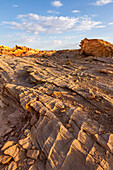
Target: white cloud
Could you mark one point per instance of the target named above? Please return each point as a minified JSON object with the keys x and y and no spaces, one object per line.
{"x":19,"y":38}
{"x":31,"y":16}
{"x":23,"y":38}
{"x":102,"y":2}
{"x":75,"y":11}
{"x":56,"y":3}
{"x":57,"y":42}
{"x":15,"y":6}
{"x":88,"y":24}
{"x":52,"y":12}
{"x":26,"y":39}
{"x":100,"y":26}
{"x":111,"y":23}
{"x":33,"y":23}
{"x":94,"y":15}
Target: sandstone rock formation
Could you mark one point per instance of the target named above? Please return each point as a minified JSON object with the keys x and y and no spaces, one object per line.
{"x":23,"y":51}
{"x":55,"y":115}
{"x":96,"y":47}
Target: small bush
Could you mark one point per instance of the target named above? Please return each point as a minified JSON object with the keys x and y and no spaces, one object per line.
{"x":43,"y":55}
{"x":68,"y":62}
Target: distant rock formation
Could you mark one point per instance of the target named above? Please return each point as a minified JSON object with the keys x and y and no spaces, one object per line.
{"x":22,"y":51}
{"x":96,"y":48}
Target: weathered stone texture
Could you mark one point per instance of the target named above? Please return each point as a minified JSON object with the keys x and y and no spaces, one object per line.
{"x":96,"y":48}
{"x":56,"y":115}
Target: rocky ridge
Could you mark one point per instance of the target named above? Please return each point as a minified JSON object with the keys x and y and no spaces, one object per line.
{"x":56,"y":112}
{"x":22,"y":51}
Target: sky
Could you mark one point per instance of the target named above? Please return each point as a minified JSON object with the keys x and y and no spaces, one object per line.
{"x":54,"y":24}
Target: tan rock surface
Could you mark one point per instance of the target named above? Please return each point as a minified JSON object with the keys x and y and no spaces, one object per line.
{"x":25,"y":143}
{"x":7,"y":145}
{"x":30,"y":161}
{"x":5,"y":159}
{"x":33,"y":167}
{"x":12,"y":166}
{"x":96,"y":47}
{"x":63,"y":111}
{"x":12,"y":151}
{"x":33,"y":154}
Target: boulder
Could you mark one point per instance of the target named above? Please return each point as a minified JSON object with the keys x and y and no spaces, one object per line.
{"x":96,"y":48}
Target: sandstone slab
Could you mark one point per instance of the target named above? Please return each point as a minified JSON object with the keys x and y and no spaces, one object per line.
{"x":33,"y":154}
{"x":12,"y":166}
{"x":5,"y":159}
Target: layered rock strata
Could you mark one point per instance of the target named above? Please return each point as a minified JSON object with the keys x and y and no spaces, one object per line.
{"x":56,"y":114}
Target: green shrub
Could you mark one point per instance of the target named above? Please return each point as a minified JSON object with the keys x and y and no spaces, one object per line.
{"x":68,"y":62}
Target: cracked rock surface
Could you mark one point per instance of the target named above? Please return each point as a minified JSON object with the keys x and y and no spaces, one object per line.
{"x":56,"y":112}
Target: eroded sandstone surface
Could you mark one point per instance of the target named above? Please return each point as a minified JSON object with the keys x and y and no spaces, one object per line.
{"x":96,"y":47}
{"x":56,"y":112}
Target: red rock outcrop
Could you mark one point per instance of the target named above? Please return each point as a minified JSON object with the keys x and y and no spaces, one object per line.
{"x":96,"y":48}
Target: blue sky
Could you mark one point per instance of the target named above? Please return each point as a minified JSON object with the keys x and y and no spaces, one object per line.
{"x":54,"y":24}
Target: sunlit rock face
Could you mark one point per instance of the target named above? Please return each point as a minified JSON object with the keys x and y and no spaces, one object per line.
{"x":96,"y":47}
{"x":22,"y":51}
{"x":56,"y":110}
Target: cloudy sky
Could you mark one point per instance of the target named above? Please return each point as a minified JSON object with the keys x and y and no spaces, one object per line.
{"x":54,"y":24}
